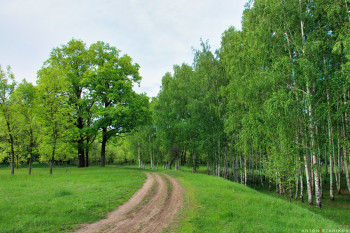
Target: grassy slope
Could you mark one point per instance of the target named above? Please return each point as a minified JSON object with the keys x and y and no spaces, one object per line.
{"x":337,"y":210}
{"x":44,"y":203}
{"x":217,"y":205}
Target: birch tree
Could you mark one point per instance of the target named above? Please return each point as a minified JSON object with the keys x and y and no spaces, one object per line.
{"x":7,"y":86}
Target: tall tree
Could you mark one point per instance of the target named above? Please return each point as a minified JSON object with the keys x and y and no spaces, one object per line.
{"x":118,"y":108}
{"x":25,"y":102}
{"x":73,"y":62}
{"x":7,"y":86}
{"x":55,"y":115}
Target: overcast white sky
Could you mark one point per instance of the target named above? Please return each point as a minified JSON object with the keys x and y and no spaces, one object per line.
{"x":156,"y":33}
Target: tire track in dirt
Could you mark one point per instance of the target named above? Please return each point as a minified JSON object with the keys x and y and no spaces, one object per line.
{"x":150,"y":209}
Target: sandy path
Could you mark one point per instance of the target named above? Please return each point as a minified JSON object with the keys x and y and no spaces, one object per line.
{"x":150,"y":209}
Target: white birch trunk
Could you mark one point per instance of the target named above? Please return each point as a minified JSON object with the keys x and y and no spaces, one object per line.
{"x":308,"y":177}
{"x":345,"y":147}
{"x":139,"y":154}
{"x":314,"y":157}
{"x":302,"y":185}
{"x":331,"y":148}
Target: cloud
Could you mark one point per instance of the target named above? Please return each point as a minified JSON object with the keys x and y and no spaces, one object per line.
{"x":156,"y":33}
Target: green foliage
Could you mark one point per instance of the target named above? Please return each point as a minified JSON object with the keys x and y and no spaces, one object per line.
{"x":73,"y":62}
{"x":171,"y":115}
{"x":117,"y":106}
{"x":187,"y":110}
{"x":274,"y":98}
{"x":59,"y":203}
{"x":8,"y":111}
{"x":55,"y":116}
{"x":25,"y":102}
{"x":81,"y":92}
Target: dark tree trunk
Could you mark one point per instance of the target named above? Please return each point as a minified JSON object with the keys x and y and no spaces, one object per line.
{"x":12,"y":148}
{"x":87,"y":152}
{"x":53,"y":157}
{"x":87,"y":157}
{"x":103,"y":148}
{"x":171,"y":162}
{"x":81,"y":162}
{"x":194,"y":170}
{"x":31,"y":145}
{"x":325,"y":166}
{"x":30,"y":165}
{"x":226,"y":164}
{"x":12,"y":156}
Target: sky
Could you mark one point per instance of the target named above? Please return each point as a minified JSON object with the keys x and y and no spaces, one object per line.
{"x":156,"y":34}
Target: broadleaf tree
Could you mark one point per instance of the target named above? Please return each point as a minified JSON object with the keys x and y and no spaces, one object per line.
{"x":118,"y":108}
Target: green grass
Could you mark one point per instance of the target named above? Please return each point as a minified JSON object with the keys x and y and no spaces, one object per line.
{"x":60,"y":202}
{"x":337,"y":210}
{"x":213,"y":204}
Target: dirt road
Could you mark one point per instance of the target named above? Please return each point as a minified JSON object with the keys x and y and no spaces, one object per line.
{"x":150,"y":209}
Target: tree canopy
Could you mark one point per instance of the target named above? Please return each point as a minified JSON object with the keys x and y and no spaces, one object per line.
{"x":272,"y":103}
{"x":82,"y":94}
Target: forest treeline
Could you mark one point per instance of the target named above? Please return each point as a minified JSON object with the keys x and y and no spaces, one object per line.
{"x":271,"y":104}
{"x":84,"y":95}
{"x":269,"y":107}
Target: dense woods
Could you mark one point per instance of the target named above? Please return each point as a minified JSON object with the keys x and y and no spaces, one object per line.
{"x":255,"y":130}
{"x":270,"y":107}
{"x":83,"y":96}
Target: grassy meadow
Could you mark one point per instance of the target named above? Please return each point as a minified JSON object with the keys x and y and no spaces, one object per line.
{"x":337,"y":210}
{"x":58,"y":203}
{"x":217,"y":205}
